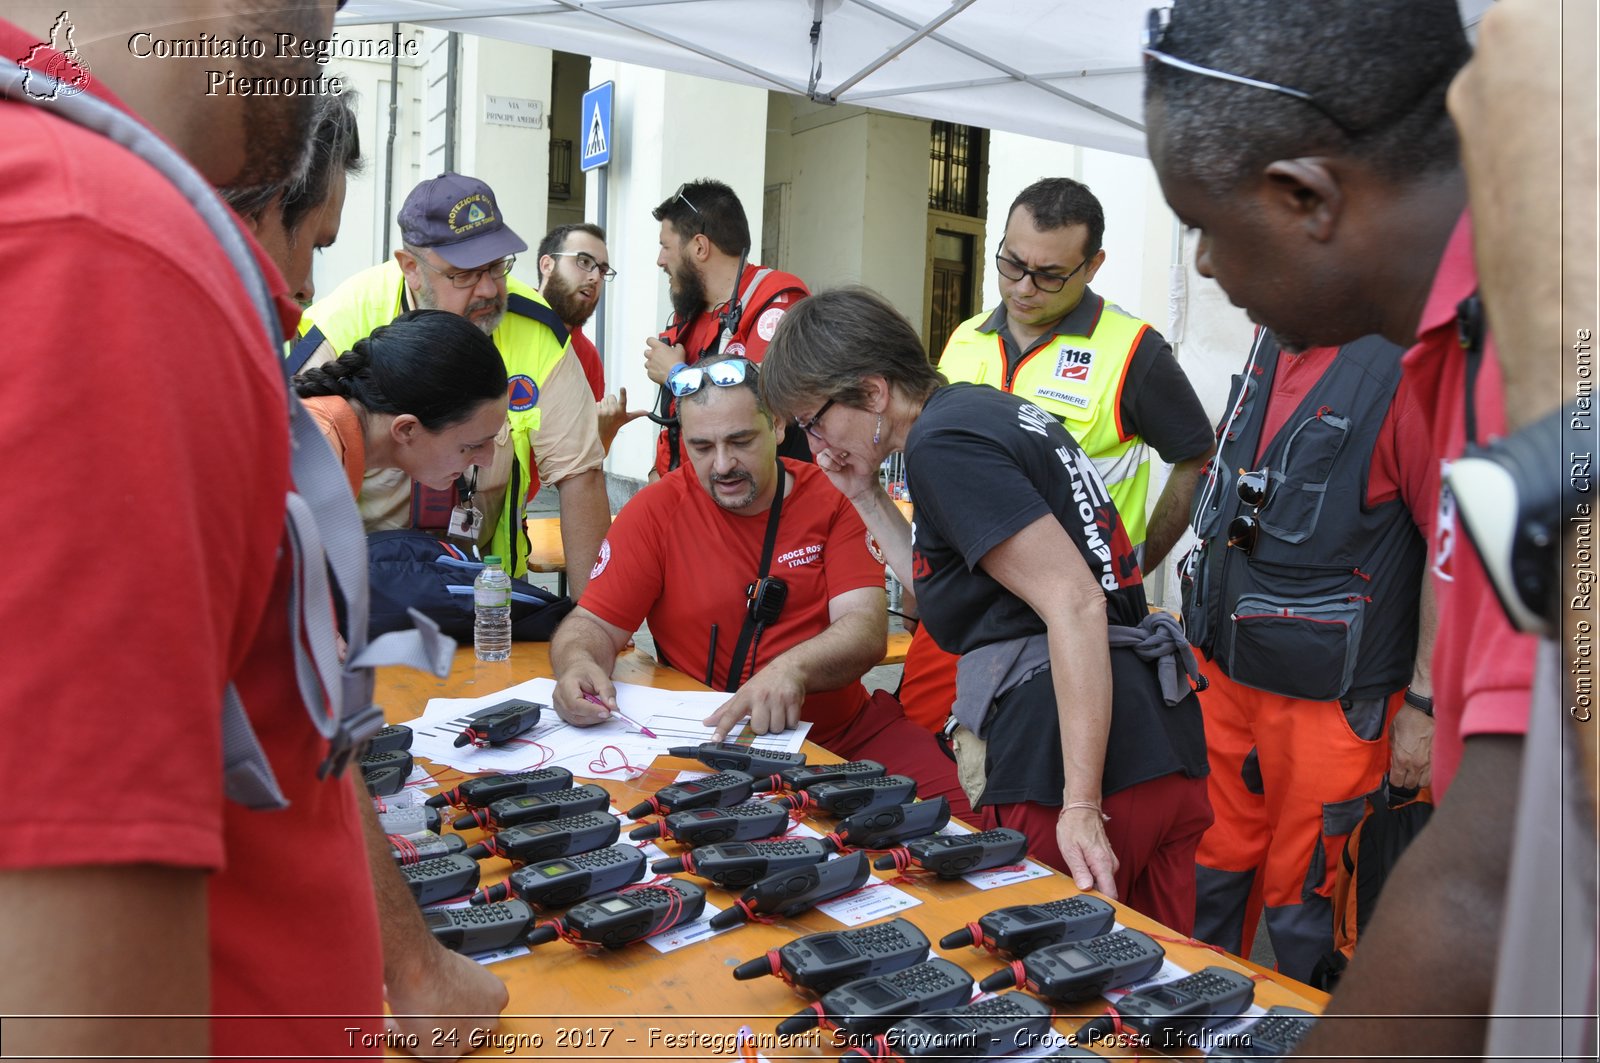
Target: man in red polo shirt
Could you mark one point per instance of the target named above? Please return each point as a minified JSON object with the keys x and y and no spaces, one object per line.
{"x":1332,"y":206}
{"x":720,"y":303}
{"x":681,"y":554}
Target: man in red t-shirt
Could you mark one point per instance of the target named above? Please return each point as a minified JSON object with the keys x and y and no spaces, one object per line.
{"x":574,"y":266}
{"x":1331,"y":206}
{"x":132,"y":887}
{"x":680,"y":555}
{"x":705,"y":241}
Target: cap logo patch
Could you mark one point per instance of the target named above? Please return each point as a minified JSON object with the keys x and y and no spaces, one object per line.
{"x":474,"y":212}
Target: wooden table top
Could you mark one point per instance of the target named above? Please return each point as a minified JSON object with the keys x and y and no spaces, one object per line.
{"x":545,"y":552}
{"x":638,"y":1003}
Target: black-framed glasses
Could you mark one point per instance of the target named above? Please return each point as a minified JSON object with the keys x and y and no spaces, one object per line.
{"x":588,"y":263}
{"x":1012,"y":270}
{"x":810,"y":427}
{"x":1156,"y":22}
{"x":1245,"y":529}
{"x":688,"y":379}
{"x":469,"y":278}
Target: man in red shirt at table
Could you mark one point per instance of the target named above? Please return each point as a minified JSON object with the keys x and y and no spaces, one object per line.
{"x":683,"y":551}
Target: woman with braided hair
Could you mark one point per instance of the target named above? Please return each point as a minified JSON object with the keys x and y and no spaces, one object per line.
{"x":426,"y":394}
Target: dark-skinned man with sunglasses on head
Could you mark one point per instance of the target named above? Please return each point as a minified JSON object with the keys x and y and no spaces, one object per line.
{"x":1108,"y":377}
{"x":1304,"y":602}
{"x":682,"y":553}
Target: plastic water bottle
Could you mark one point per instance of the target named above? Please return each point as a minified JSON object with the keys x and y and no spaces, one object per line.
{"x":491,"y":599}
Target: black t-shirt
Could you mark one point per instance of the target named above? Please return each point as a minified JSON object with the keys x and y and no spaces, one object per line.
{"x":982,"y":465}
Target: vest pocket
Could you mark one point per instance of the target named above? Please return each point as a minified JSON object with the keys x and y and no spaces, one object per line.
{"x":1291,"y":512}
{"x":1298,"y":647}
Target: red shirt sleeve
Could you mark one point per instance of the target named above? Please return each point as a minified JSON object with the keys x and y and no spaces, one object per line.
{"x":1402,"y":458}
{"x":757,"y":331}
{"x":628,"y":576}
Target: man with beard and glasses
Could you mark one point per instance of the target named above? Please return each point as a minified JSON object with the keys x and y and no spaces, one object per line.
{"x":166,"y":921}
{"x":682,"y":553}
{"x":573,"y":265}
{"x":705,"y":244}
{"x":457,"y":256}
{"x":1327,"y":189}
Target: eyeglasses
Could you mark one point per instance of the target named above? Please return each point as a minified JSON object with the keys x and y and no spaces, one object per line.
{"x":688,"y":379}
{"x":1012,"y":270}
{"x":1245,"y":529}
{"x":810,"y":427}
{"x":1156,"y":22}
{"x":469,"y":278}
{"x":587,"y":262}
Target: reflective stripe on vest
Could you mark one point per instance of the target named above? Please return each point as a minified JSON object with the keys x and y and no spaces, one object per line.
{"x":1078,"y":380}
{"x":531,"y":341}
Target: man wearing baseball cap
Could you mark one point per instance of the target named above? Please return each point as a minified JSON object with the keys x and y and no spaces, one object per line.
{"x":456,"y":255}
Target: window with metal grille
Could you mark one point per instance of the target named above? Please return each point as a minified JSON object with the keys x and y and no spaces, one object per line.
{"x":954,"y":157}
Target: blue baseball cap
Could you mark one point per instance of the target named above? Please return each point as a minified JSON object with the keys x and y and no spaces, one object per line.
{"x":458,"y":219}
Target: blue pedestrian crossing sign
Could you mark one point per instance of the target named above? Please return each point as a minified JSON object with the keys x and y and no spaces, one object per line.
{"x":596,"y":127}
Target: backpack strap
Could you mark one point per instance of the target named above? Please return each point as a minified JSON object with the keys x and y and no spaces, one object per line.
{"x":324,"y":530}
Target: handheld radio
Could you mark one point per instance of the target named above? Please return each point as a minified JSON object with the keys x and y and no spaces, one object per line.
{"x":809,"y":775}
{"x":731,"y":756}
{"x":565,"y":880}
{"x":869,"y":1005}
{"x":441,"y":878}
{"x":1272,"y":1036}
{"x":500,"y":724}
{"x":999,"y":1026}
{"x":1021,"y":928}
{"x":1173,"y":1015}
{"x":821,"y":962}
{"x":714,"y":791}
{"x":888,"y":827}
{"x":486,"y":789}
{"x":954,"y":855}
{"x":846,"y":797}
{"x":414,"y":820}
{"x":617,"y":919}
{"x":481,"y":929}
{"x":705,"y":826}
{"x":735,"y":865}
{"x":395,"y":736}
{"x":534,"y":808}
{"x":424,"y":845}
{"x":1082,"y":970}
{"x":556,"y":837}
{"x":792,"y":892}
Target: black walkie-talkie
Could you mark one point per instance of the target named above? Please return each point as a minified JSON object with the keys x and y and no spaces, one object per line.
{"x":1000,"y":1026}
{"x":552,"y":838}
{"x":809,"y":775}
{"x":395,"y":736}
{"x":869,"y":1005}
{"x":731,"y":756}
{"x":847,"y":797}
{"x":954,"y":855}
{"x":823,"y":961}
{"x":1272,"y":1036}
{"x":441,"y":878}
{"x":714,"y":791}
{"x":536,"y":808}
{"x":888,"y":827}
{"x":564,"y":880}
{"x":617,"y":919}
{"x":750,"y":821}
{"x":481,"y":929}
{"x":735,"y":865}
{"x":1021,"y":928}
{"x":1082,"y":970}
{"x":1172,"y":1017}
{"x":501,"y":724}
{"x":792,"y":892}
{"x":487,"y":789}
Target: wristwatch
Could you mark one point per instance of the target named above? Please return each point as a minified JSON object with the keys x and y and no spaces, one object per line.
{"x":1417,"y":701}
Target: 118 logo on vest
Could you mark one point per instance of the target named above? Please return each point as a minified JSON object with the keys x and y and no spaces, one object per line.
{"x":1073,"y":364}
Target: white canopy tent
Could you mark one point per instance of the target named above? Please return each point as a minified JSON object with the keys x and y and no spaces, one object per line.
{"x":1066,"y":70}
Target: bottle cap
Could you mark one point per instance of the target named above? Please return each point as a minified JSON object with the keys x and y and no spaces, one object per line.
{"x":492,"y":559}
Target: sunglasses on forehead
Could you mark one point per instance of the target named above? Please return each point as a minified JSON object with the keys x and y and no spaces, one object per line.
{"x":688,"y":379}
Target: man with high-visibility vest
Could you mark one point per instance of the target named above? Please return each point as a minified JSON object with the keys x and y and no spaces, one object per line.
{"x":1109,"y":377}
{"x":456,"y":255}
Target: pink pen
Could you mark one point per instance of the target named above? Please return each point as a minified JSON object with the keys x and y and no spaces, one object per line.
{"x":642,"y":728}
